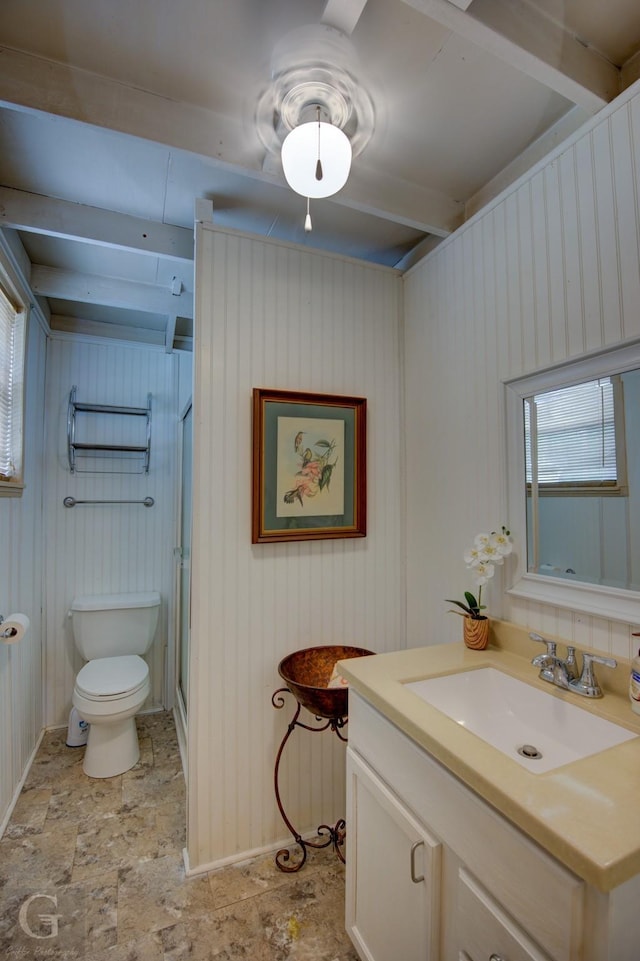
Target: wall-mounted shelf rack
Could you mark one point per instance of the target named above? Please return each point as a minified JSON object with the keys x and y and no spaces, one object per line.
{"x":138,"y":454}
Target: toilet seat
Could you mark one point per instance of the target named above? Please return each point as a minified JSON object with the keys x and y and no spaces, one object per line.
{"x":112,"y":678}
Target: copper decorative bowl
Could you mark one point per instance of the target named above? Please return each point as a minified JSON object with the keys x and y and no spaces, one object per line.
{"x":307,"y":673}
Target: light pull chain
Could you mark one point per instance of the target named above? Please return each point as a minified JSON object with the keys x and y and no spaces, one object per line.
{"x":319,"y":173}
{"x":307,"y":220}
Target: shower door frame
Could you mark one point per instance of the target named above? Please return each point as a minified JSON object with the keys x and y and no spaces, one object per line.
{"x":182,"y":564}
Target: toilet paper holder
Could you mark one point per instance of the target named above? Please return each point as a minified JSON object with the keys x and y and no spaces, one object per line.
{"x":9,"y":631}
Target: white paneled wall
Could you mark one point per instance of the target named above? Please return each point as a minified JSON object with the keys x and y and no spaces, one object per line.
{"x":21,"y":558}
{"x":270,"y":315}
{"x":549,"y":272}
{"x":107,"y":548}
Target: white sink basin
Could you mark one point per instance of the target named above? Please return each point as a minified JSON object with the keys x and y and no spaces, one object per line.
{"x":509,"y":715}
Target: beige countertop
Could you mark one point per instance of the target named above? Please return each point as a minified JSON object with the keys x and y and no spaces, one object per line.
{"x":586,"y":813}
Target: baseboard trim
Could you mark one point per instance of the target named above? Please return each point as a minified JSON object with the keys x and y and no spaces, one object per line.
{"x":241,"y":856}
{"x":20,"y":785}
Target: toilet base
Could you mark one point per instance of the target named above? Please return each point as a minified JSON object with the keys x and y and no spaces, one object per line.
{"x":112,"y":748}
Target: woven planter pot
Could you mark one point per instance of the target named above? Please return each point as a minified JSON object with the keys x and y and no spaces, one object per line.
{"x":476,"y":632}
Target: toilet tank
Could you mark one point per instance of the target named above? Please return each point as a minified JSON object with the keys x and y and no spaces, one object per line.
{"x":110,"y":625}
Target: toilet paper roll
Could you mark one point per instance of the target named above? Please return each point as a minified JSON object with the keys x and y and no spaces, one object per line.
{"x":14,"y":628}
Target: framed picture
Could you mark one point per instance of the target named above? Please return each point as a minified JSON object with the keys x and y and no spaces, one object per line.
{"x":309,"y":466}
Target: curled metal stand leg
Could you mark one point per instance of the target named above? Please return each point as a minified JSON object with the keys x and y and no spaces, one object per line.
{"x":329,"y":835}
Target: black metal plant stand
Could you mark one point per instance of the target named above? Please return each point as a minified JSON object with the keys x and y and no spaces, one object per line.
{"x":330,"y":835}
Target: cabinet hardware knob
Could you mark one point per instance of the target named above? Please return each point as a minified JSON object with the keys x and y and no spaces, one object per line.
{"x":414,"y":877}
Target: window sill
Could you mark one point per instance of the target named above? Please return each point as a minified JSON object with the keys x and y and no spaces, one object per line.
{"x":11,"y":489}
{"x":576,"y":490}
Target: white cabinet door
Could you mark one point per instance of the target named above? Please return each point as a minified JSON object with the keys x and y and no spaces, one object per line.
{"x":485,"y":931}
{"x":393,"y":873}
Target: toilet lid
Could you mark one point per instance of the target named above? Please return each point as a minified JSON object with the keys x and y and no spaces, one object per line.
{"x":110,"y":676}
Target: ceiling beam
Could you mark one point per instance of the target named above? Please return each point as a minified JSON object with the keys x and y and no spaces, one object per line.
{"x":34,"y":213}
{"x":343,"y":14}
{"x":109,"y":292}
{"x":95,"y":328}
{"x":32,"y":83}
{"x":170,"y":332}
{"x":400,"y":202}
{"x":631,"y":71}
{"x":417,"y":253}
{"x":517,"y":33}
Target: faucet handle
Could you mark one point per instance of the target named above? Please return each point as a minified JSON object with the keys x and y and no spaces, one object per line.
{"x":570,"y":663}
{"x":597,"y":659}
{"x":551,"y":645}
{"x":587,"y":684}
{"x":544,"y":661}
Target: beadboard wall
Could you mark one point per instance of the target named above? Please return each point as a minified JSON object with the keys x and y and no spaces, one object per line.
{"x":21,"y":558}
{"x":547,"y":273}
{"x":271,"y":315}
{"x":102,"y":549}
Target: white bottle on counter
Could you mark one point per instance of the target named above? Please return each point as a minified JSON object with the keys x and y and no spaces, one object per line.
{"x":634,"y":682}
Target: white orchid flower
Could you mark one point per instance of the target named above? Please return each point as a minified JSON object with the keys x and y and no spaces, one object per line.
{"x":473,"y":556}
{"x":491,"y":553}
{"x":488,"y":551}
{"x":483,"y":572}
{"x":501,"y":542}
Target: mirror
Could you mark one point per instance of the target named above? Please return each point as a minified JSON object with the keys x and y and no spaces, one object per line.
{"x":573,"y":455}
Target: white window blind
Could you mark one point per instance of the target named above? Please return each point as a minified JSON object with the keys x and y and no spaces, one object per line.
{"x":573,"y":432}
{"x":12,"y":330}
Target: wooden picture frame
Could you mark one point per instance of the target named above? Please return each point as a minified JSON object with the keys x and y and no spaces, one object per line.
{"x":309,"y":466}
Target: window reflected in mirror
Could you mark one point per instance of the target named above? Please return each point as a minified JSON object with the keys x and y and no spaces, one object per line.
{"x":582,"y":478}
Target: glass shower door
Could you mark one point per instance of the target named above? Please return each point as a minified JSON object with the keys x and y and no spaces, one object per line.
{"x":184,"y":600}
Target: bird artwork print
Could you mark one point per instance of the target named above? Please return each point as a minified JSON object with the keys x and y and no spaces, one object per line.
{"x":315,"y":469}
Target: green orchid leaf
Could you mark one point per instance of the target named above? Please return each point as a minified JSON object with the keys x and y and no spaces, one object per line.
{"x":458,"y":604}
{"x":471,"y":601}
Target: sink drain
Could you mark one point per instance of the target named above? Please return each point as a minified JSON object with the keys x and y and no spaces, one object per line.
{"x":530,"y":752}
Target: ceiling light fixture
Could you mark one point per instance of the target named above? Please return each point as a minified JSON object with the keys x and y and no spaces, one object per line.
{"x":315,"y":116}
{"x":316,"y":159}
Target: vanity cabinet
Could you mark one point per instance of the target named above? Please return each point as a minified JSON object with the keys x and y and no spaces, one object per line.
{"x":434,"y":873}
{"x":393,"y":902}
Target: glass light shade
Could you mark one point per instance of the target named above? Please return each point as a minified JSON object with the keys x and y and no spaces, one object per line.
{"x":300,"y":158}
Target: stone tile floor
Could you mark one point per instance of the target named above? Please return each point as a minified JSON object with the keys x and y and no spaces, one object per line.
{"x":102,"y":858}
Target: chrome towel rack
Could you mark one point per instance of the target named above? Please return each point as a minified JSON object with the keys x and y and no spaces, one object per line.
{"x":139,"y":454}
{"x":71,"y":502}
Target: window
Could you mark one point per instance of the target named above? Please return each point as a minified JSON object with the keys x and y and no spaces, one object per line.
{"x":12,"y":342}
{"x":575,"y":438}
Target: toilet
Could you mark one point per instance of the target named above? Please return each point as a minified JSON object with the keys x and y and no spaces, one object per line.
{"x":111,"y":632}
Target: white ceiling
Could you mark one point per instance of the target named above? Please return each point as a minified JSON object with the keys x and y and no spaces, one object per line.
{"x":124,"y":113}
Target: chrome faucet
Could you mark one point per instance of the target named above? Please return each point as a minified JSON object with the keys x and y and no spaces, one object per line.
{"x":586,"y":684}
{"x":553,"y":668}
{"x":564,"y":672}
